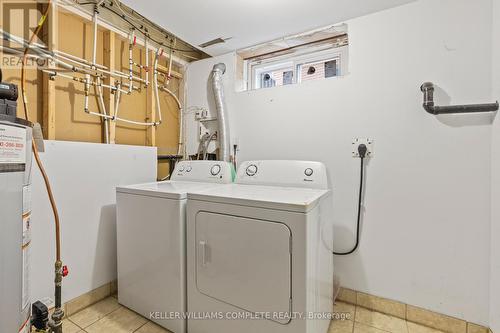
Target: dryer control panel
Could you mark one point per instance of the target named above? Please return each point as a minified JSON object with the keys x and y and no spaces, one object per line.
{"x":203,"y":171}
{"x":283,"y":173}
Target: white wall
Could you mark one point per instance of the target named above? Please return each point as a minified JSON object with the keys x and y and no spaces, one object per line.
{"x":495,"y":181}
{"x":83,"y":177}
{"x":425,"y":238}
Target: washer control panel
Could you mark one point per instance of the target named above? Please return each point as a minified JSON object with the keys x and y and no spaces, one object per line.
{"x":283,"y":173}
{"x":203,"y":171}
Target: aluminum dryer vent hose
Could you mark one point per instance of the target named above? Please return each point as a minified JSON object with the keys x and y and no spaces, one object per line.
{"x":223,"y":135}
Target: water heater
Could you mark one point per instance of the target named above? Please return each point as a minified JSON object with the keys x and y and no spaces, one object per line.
{"x":15,"y":213}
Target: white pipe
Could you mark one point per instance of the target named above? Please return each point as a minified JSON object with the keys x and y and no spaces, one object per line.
{"x":117,"y":102}
{"x":138,"y":122}
{"x":147,"y":60}
{"x":119,"y":31}
{"x":130,"y":61}
{"x":77,"y":59}
{"x":155,"y":79}
{"x":181,"y":119}
{"x":81,"y":80}
{"x":171,"y":93}
{"x":94,"y":48}
{"x":169,"y":74}
{"x":103,"y":110}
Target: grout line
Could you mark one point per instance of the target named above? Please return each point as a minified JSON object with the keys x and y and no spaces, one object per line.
{"x":103,"y":317}
{"x":142,"y":326}
{"x":354,"y":319}
{"x":69,"y":319}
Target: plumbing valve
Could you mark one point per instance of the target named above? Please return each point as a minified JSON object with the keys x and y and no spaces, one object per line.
{"x":65,"y":271}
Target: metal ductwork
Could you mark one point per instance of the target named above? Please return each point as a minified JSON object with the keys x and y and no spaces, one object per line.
{"x":220,"y":104}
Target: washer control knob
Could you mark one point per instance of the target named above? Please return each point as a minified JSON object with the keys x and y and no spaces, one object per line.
{"x":189,"y":168}
{"x":181,"y":169}
{"x":309,"y":172}
{"x":251,"y":170}
{"x":215,"y":170}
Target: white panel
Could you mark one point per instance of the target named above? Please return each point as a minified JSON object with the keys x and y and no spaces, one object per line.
{"x":151,"y":252}
{"x":244,"y":262}
{"x":427,"y":197}
{"x":83,"y":177}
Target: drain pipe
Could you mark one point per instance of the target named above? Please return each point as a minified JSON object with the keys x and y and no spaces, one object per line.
{"x":223,"y":135}
{"x":428,"y":89}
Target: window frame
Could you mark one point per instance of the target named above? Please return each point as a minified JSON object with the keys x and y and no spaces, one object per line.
{"x":256,"y":67}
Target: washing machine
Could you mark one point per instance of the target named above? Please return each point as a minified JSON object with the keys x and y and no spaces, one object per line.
{"x":151,"y":241}
{"x":259,"y":253}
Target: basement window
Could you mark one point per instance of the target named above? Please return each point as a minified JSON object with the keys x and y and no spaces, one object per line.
{"x":266,"y":66}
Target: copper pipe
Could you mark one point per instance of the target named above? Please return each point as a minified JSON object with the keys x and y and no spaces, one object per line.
{"x":51,"y":199}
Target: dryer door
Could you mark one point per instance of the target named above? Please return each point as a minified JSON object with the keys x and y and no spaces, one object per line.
{"x":244,"y":262}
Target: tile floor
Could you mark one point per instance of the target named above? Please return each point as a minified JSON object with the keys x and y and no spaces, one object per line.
{"x":107,"y":316}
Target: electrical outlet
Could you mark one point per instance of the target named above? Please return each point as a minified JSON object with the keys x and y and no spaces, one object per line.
{"x":201,"y":114}
{"x":358,"y":141}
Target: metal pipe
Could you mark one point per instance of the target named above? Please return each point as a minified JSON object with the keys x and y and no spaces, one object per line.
{"x":428,"y":89}
{"x":218,"y":90}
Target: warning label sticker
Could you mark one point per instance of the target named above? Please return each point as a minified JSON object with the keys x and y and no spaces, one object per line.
{"x":12,"y":145}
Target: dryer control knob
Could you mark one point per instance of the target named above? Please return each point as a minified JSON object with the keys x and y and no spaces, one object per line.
{"x":251,"y":170}
{"x":181,"y":169}
{"x":189,"y":168}
{"x":309,"y":172}
{"x":215,"y":170}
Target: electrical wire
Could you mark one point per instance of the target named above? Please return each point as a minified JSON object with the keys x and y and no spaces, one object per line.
{"x":360,"y":199}
{"x":35,"y":150}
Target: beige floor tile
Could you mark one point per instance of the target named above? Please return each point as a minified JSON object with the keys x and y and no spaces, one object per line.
{"x":473,"y":328}
{"x":381,"y":321}
{"x":383,"y":305}
{"x":87,"y":299}
{"x":341,"y":326}
{"x":416,"y":328}
{"x":362,"y":328}
{"x":435,"y":320}
{"x":69,"y":327}
{"x":343,"y":311}
{"x":347,"y":296}
{"x":93,"y":313}
{"x":120,"y":321}
{"x":152,"y":328}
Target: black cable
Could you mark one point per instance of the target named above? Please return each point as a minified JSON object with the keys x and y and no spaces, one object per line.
{"x":362,"y":153}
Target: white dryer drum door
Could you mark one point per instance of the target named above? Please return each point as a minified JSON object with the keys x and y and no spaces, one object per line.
{"x":244,"y":262}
